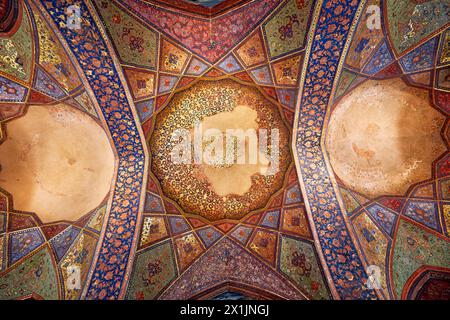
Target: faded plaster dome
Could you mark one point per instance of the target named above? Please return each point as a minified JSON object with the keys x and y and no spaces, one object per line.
{"x":57,"y":162}
{"x":383,"y":137}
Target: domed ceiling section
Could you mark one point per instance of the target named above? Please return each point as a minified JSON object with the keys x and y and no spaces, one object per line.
{"x":50,"y":157}
{"x":263,"y":224}
{"x":228,"y":177}
{"x":387,"y":141}
{"x":378,"y":155}
{"x":56,"y":162}
{"x":361,"y":86}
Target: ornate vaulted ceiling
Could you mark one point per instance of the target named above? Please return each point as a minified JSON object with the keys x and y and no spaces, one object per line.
{"x":359,"y":91}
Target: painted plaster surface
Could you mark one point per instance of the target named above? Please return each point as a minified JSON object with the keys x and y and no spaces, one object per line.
{"x":233,"y":179}
{"x":376,"y":154}
{"x":293,"y":241}
{"x":57,"y":162}
{"x":216,"y":189}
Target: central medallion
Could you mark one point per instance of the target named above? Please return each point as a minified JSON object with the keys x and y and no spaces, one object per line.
{"x":220,"y":150}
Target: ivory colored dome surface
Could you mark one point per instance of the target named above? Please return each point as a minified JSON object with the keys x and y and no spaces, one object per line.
{"x":235,"y":179}
{"x":383,"y":137}
{"x":57,"y":162}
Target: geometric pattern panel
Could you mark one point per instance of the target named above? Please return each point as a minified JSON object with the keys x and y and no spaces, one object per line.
{"x":140,"y":43}
{"x":142,"y":83}
{"x":153,"y":230}
{"x":209,"y":236}
{"x":286,"y":72}
{"x":424,"y":212}
{"x":16,"y":51}
{"x":241,"y":234}
{"x":271,"y":219}
{"x":294,"y":221}
{"x":414,"y":247}
{"x":367,"y":36}
{"x":230,"y":64}
{"x":286,"y":30}
{"x":375,"y":246}
{"x":80,"y":255}
{"x":384,"y":217}
{"x":209,"y":38}
{"x":172,"y":58}
{"x":229,"y":261}
{"x":153,"y":270}
{"x":264,"y":245}
{"x":252,"y":52}
{"x":421,"y":58}
{"x":62,"y":242}
{"x":411,"y":21}
{"x":178,"y":225}
{"x":52,"y":56}
{"x":45,"y":84}
{"x":11,"y":91}
{"x":381,"y":58}
{"x":23,"y":242}
{"x":41,"y":278}
{"x":299,"y":262}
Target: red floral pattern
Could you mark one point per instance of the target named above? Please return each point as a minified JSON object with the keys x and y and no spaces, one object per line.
{"x":209,"y":38}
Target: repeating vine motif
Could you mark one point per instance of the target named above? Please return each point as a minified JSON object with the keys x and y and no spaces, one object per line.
{"x":339,"y":252}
